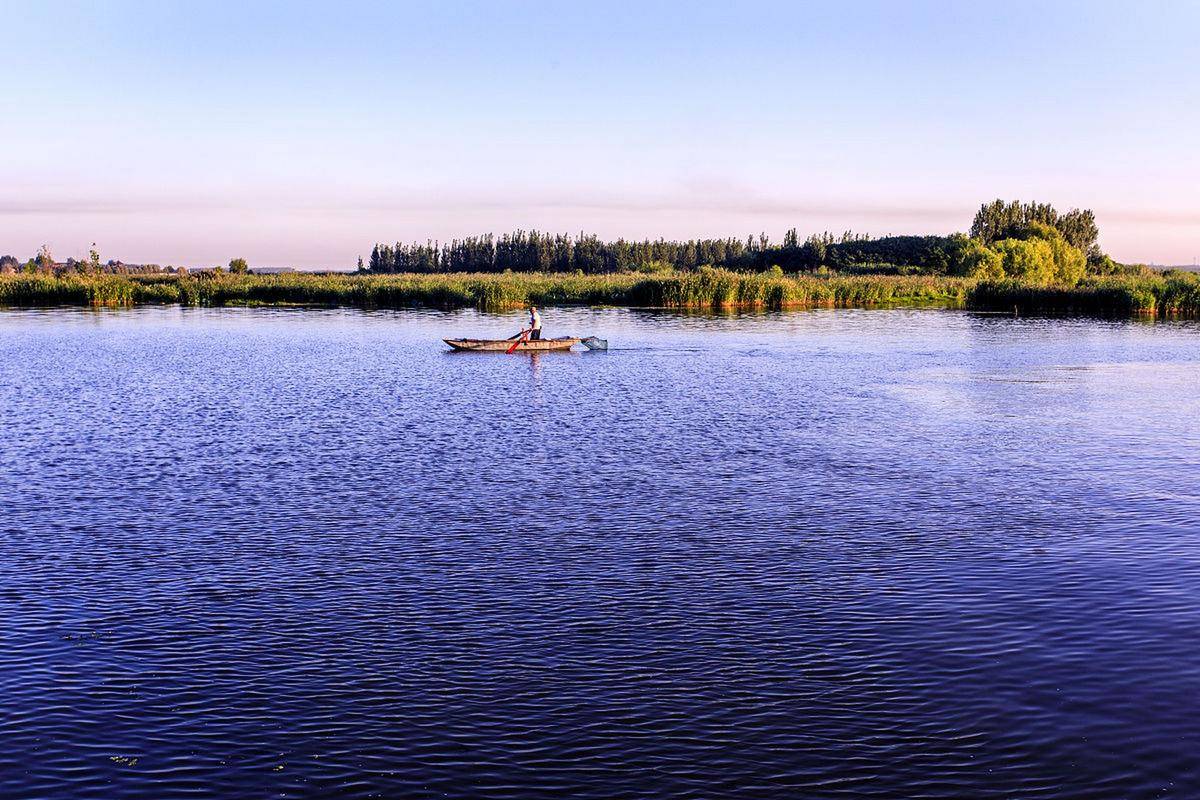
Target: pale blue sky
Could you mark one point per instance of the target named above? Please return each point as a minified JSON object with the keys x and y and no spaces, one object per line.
{"x":299,"y":133}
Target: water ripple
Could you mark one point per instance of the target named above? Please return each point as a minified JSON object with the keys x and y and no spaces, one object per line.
{"x":821,"y":555}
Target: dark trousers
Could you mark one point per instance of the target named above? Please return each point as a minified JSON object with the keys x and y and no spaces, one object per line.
{"x":536,"y":333}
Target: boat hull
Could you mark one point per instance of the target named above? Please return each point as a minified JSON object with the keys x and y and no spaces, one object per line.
{"x":501,"y":345}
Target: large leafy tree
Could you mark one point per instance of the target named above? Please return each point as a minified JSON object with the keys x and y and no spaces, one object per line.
{"x":1000,"y":220}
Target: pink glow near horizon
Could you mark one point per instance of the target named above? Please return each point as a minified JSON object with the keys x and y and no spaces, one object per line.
{"x":333,"y":237}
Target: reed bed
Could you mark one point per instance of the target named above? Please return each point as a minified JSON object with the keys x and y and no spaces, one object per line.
{"x":705,"y":288}
{"x":67,"y":290}
{"x":1165,"y":294}
{"x":1157,"y":293}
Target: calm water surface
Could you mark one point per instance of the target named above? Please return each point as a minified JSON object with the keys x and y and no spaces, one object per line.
{"x":263,"y":553}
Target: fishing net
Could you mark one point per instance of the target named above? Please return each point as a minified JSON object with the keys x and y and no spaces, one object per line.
{"x":592,"y":343}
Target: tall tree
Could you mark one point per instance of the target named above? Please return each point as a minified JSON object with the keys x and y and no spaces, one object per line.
{"x":45,"y":261}
{"x":1000,"y":220}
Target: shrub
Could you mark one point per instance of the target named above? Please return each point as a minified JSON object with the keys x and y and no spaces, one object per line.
{"x":1100,"y":264}
{"x":973,"y":259}
{"x":1030,"y":261}
{"x":1070,"y":264}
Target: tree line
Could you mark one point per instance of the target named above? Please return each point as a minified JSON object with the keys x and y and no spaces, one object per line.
{"x":1005,"y":238}
{"x":44,"y":263}
{"x":535,"y":251}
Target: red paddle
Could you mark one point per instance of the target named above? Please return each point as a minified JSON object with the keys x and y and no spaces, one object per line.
{"x":520,"y":339}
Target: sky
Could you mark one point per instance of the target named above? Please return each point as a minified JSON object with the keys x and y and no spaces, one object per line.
{"x":299,"y":133}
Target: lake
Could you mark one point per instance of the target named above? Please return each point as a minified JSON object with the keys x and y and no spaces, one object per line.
{"x":310,"y":553}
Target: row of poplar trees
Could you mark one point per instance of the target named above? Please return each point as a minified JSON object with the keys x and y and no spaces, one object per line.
{"x":534,"y":251}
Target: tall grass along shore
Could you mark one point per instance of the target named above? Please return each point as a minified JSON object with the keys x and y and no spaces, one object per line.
{"x":1018,"y":256}
{"x":1150,"y":293}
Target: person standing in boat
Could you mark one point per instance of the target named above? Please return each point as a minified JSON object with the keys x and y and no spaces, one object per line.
{"x":535,"y":323}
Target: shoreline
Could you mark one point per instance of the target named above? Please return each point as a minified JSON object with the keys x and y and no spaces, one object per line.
{"x":1159,"y":294}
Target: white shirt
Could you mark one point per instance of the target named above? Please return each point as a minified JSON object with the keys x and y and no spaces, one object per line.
{"x":535,"y":321}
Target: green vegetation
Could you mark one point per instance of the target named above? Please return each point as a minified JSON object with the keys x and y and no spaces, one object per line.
{"x":1160,"y":293}
{"x":705,"y":288}
{"x":996,"y":227}
{"x":42,"y":289}
{"x":1038,"y":255}
{"x":1145,"y":292}
{"x":1023,"y":256}
{"x":534,"y":251}
{"x":999,"y":220}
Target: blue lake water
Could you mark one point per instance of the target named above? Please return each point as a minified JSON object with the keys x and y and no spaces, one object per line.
{"x":303,"y":553}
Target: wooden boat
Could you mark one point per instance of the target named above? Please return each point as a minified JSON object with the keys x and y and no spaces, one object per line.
{"x":501,"y":345}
